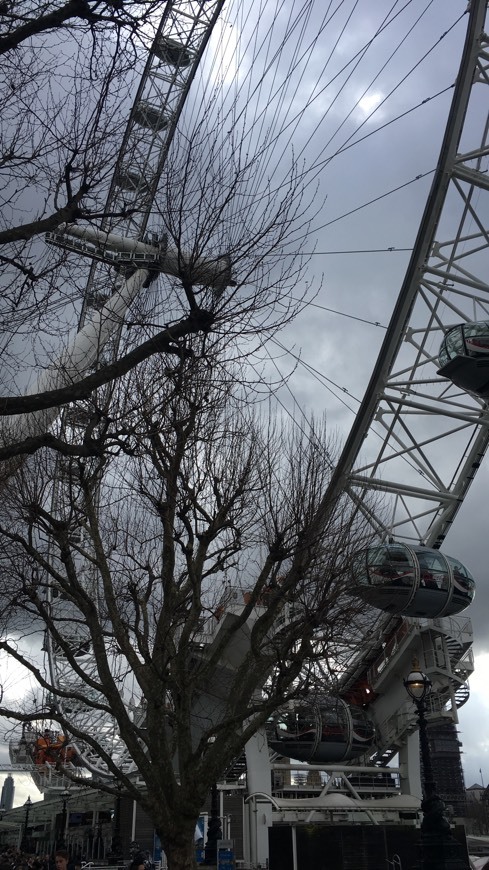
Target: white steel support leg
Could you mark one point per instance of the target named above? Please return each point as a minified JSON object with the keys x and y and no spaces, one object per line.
{"x":246,"y":834}
{"x":259,"y":785}
{"x":212,"y":272}
{"x":76,"y":360}
{"x":410,"y":766}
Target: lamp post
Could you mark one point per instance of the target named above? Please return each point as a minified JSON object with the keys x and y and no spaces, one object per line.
{"x":439,"y":850}
{"x":27,"y":807}
{"x":116,"y":844}
{"x":214,"y":832}
{"x":65,"y":796}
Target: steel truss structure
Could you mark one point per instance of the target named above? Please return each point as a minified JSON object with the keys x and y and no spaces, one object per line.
{"x":122,"y":263}
{"x":417,"y":439}
{"x":181,"y":39}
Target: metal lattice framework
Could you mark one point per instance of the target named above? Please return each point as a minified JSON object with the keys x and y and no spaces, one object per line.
{"x":177,"y":49}
{"x":417,"y":439}
{"x":179,"y":44}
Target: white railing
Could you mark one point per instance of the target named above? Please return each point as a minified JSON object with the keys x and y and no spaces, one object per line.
{"x":459,"y":628}
{"x":390,"y":651}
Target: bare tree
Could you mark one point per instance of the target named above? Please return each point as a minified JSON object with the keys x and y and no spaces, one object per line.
{"x":232,"y":192}
{"x":70,"y":73}
{"x":22,"y":21}
{"x":165,"y":538}
{"x":183,"y":593}
{"x":207,"y":205}
{"x":67,"y":73}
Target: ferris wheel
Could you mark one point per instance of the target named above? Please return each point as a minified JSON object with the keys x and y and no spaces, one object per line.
{"x":123,"y":260}
{"x":421,"y":433}
{"x":409,"y":409}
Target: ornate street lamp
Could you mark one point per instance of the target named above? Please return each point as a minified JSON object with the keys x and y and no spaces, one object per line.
{"x":116,"y":851}
{"x":27,"y":807}
{"x":439,"y":850}
{"x":214,"y":832}
{"x":65,"y":796}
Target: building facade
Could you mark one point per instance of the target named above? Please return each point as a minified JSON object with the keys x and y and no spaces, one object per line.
{"x":8,"y":791}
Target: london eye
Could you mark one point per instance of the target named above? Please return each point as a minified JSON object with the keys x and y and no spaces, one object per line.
{"x":420,"y":432}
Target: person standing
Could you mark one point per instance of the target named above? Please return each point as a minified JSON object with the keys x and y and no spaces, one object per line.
{"x":62,"y":860}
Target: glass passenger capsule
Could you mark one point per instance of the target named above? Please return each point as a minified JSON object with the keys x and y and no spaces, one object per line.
{"x":326,"y":730}
{"x":464,"y":357}
{"x":412,"y":580}
{"x":130,"y":180}
{"x":150,"y":116}
{"x":171,"y":52}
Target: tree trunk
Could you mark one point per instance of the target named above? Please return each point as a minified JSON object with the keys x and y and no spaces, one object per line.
{"x":179,"y":847}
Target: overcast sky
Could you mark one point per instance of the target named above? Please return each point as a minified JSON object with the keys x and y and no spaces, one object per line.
{"x":367,"y":232}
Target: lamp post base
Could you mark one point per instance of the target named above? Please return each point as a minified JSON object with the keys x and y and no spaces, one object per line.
{"x":439,"y":848}
{"x":442,"y":853}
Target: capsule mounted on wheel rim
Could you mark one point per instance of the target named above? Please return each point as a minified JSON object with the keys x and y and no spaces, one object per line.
{"x":323,"y":730}
{"x":412,"y":581}
{"x":172,"y":52}
{"x":464,"y":357}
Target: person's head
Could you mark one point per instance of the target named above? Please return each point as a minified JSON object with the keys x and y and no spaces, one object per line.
{"x":61,"y":859}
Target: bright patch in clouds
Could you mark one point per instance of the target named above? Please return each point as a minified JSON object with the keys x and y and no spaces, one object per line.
{"x":17,"y":681}
{"x":227,"y":63}
{"x":369,"y":102}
